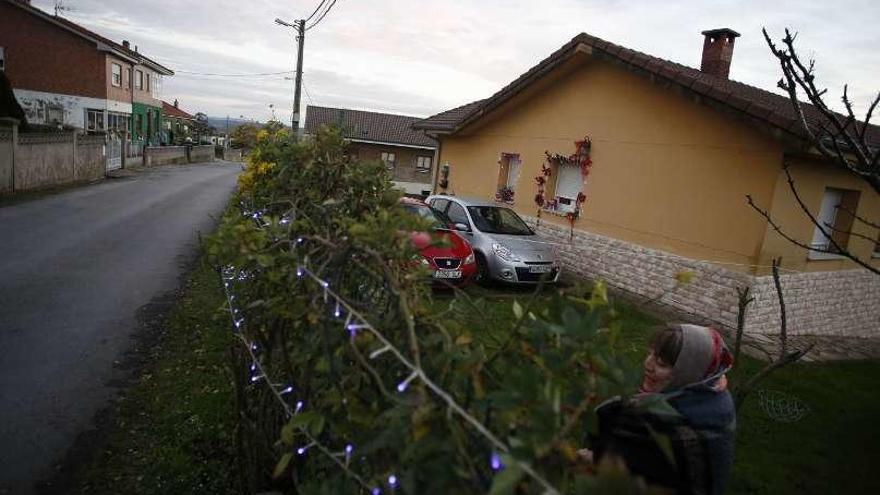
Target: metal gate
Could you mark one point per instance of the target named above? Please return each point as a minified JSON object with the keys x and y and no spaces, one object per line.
{"x":114,"y":151}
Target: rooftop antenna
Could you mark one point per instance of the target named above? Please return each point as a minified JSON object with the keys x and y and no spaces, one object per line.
{"x":60,"y":7}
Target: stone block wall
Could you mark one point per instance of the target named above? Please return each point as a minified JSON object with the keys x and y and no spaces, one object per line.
{"x":44,"y":160}
{"x":820,"y":303}
{"x":835,"y":303}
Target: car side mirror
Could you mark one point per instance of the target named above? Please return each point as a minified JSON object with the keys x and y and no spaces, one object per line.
{"x":461,"y":227}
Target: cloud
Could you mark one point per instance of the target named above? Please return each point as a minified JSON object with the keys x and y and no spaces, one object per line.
{"x":420,"y":57}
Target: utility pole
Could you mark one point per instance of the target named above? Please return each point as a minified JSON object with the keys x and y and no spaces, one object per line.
{"x":299,"y":76}
{"x":300,"y":27}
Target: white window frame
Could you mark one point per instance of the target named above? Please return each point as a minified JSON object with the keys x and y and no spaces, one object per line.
{"x":92,"y":124}
{"x":389,"y":158}
{"x":423,"y":163}
{"x":569,"y":191}
{"x":115,"y":74}
{"x":139,"y":79}
{"x":513,"y":164}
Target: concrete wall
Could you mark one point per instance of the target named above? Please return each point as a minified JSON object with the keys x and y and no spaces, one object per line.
{"x":232,"y":155}
{"x":811,"y":178}
{"x":7,"y":144}
{"x":90,"y":161}
{"x":841,"y":303}
{"x":44,"y":160}
{"x":204,"y":153}
{"x":37,"y":104}
{"x":164,"y":155}
{"x":39,"y":160}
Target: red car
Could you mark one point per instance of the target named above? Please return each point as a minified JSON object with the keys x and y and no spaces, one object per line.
{"x":454,"y":263}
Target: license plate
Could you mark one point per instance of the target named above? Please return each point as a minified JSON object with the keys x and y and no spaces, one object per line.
{"x":540,"y":269}
{"x":447,"y":274}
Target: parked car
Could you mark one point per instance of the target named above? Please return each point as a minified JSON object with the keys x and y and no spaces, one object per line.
{"x":505,"y":248}
{"x":454,"y":263}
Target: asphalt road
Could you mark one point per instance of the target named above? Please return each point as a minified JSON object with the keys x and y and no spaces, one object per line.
{"x":75,"y":267}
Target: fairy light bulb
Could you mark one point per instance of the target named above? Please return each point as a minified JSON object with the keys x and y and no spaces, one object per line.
{"x":495,"y":462}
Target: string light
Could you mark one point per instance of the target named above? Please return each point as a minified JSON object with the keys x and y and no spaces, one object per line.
{"x":416,"y":372}
{"x":495,"y":462}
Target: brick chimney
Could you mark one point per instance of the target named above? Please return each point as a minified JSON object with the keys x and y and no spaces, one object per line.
{"x":718,"y":51}
{"x":126,"y":44}
{"x":175,"y":103}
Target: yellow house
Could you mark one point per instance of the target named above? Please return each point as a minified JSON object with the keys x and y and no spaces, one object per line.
{"x":673,"y":153}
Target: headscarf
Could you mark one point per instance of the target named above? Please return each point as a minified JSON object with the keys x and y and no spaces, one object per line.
{"x":704,"y":358}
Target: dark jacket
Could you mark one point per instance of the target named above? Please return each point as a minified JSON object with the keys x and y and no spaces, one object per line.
{"x":687,"y":447}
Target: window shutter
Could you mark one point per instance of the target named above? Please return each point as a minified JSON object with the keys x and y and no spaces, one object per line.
{"x":568,"y":181}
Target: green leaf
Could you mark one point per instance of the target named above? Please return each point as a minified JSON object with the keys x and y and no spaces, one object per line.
{"x":506,"y":480}
{"x":282,"y":465}
{"x":316,"y":426}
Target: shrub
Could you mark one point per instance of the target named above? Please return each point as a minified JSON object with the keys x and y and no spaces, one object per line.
{"x":530,"y":377}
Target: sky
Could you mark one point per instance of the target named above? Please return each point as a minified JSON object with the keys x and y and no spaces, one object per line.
{"x":417,"y":57}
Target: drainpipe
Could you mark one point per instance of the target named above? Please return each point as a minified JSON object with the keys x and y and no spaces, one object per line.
{"x":436,"y":170}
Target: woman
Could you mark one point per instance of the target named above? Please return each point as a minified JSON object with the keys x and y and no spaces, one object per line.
{"x":687,"y":447}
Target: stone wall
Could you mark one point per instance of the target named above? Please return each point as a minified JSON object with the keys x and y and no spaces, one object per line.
{"x":819,"y":303}
{"x":839,"y":303}
{"x":164,"y":155}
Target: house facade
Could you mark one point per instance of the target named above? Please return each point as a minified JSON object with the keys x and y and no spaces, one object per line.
{"x":178,"y":125}
{"x":663,"y":157}
{"x":64,"y":74}
{"x":409,"y":155}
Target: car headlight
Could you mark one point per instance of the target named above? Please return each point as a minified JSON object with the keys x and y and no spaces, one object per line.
{"x":425,"y":262}
{"x":504,"y":252}
{"x":470,"y":259}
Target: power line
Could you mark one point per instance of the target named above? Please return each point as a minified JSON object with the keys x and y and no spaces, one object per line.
{"x":252,"y":74}
{"x":322,"y":15}
{"x":309,"y":18}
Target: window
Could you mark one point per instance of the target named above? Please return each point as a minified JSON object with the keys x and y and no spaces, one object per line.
{"x":168,"y":125}
{"x":127,"y":78}
{"x":95,"y":120}
{"x":508,"y":174}
{"x":423,"y":163}
{"x":139,"y":124}
{"x":495,"y":220}
{"x":138,"y":79}
{"x":116,"y":74}
{"x":389,"y":159}
{"x":457,"y":215}
{"x":836,"y":217}
{"x":54,"y":114}
{"x":2,"y":58}
{"x":440,"y":204}
{"x":147,"y":82}
{"x":117,"y":122}
{"x":568,"y":185}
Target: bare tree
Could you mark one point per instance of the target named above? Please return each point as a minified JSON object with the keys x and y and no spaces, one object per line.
{"x":841,"y":139}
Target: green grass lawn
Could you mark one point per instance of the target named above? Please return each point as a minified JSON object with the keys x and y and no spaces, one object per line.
{"x":173,"y":432}
{"x":833,"y":449}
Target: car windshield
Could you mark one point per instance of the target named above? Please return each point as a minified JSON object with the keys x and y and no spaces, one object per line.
{"x":437,"y":219}
{"x":495,"y":220}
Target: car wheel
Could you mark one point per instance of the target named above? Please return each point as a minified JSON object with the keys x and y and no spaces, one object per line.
{"x":482,"y":276}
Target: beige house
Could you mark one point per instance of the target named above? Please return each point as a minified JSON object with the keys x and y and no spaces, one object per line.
{"x":674,"y":151}
{"x":408,"y":154}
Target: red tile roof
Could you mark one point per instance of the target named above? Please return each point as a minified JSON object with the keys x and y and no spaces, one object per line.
{"x":773,"y":109}
{"x":170,"y":110}
{"x":368,"y":126}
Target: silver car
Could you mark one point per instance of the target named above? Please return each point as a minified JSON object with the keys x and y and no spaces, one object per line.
{"x":505,"y":247}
